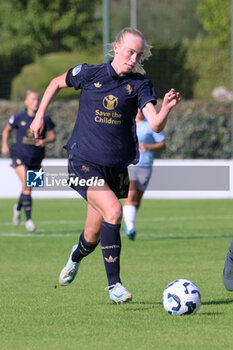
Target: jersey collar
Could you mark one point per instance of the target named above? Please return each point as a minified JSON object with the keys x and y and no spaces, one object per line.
{"x":26,"y":113}
{"x":112,"y":72}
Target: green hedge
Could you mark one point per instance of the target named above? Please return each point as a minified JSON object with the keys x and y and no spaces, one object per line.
{"x":194,"y":69}
{"x":210,"y":66}
{"x":199,"y":130}
{"x":196,"y":129}
{"x":37,"y":75}
{"x":167,"y":68}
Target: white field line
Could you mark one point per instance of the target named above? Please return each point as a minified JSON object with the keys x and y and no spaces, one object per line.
{"x":173,"y":218}
{"x":52,"y":222}
{"x":188,"y":218}
{"x":42,"y":232}
{"x":38,"y":235}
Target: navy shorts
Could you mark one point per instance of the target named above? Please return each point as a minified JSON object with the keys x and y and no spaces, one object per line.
{"x":30,"y":163}
{"x":87,"y":172}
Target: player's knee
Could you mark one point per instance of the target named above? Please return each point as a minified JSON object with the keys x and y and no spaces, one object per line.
{"x":135,"y":203}
{"x":26,"y":191}
{"x":114,"y":214}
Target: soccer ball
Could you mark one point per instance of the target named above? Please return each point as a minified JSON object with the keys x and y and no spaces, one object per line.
{"x":181,"y":297}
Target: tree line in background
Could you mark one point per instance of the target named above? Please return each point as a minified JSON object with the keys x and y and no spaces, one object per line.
{"x":191,"y":40}
{"x":30,"y":28}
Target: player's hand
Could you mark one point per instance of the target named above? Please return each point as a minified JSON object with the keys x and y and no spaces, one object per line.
{"x":5,"y":149}
{"x":171,"y":99}
{"x":142,"y":146}
{"x":40,"y":143}
{"x":37,"y":126}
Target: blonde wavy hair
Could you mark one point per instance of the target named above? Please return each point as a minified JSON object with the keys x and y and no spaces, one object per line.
{"x":146,"y":52}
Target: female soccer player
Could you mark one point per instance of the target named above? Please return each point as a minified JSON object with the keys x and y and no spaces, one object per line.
{"x":104,"y":143}
{"x":228,"y":269}
{"x":140,"y":174}
{"x":27,"y":153}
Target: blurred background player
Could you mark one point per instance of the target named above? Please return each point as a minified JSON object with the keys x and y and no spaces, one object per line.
{"x":27,"y":152}
{"x":140,"y":174}
{"x":228,"y":269}
{"x":104,"y":143}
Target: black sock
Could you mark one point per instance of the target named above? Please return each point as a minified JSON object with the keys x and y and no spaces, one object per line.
{"x":111,"y":248}
{"x":19,"y":205}
{"x":84,"y":248}
{"x":26,"y":200}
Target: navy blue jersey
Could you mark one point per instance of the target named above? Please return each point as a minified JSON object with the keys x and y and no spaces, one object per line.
{"x":25,"y":141}
{"x":105,"y":129}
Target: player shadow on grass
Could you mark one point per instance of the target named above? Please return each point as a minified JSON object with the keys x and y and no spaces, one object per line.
{"x":210,"y":313}
{"x":217,"y":302}
{"x":149,"y":305}
{"x":145,"y":305}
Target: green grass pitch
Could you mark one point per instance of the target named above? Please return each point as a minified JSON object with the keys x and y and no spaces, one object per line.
{"x":175,"y":239}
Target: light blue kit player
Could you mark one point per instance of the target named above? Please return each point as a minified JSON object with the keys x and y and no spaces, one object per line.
{"x":140,"y":174}
{"x":104,"y":143}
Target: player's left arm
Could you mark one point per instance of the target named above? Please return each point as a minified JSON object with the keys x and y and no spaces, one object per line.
{"x":151,"y":146}
{"x":5,"y":135}
{"x":52,"y":90}
{"x":158,"y":120}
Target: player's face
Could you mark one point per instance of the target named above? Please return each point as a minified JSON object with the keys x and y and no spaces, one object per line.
{"x":32,"y":102}
{"x":127,"y":53}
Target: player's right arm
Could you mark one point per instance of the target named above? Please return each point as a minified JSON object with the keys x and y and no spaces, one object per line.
{"x":5,"y":136}
{"x":52,"y":90}
{"x":158,"y":120}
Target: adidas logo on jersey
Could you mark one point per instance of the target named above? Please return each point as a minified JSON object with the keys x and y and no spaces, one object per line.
{"x":97,"y":85}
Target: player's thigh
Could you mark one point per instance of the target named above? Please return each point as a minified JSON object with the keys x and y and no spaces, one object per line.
{"x":21,"y":171}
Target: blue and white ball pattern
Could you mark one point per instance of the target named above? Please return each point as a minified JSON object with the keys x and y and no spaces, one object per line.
{"x":181,"y":297}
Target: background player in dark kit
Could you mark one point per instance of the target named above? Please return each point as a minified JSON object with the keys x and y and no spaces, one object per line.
{"x":27,"y":152}
{"x":104,"y":143}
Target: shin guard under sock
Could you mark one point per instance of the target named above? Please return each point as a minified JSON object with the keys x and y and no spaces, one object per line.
{"x":111,"y":247}
{"x":26,"y":200}
{"x":19,"y":205}
{"x":84,"y":248}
